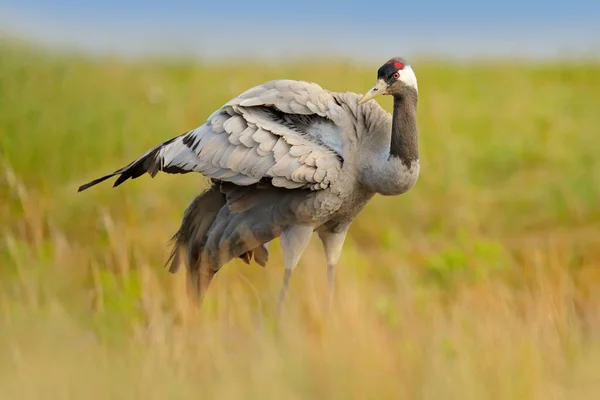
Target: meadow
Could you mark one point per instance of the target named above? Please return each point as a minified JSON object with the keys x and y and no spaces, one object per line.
{"x":482,"y":282}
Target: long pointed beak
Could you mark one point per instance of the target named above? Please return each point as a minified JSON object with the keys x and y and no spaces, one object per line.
{"x":377,"y":90}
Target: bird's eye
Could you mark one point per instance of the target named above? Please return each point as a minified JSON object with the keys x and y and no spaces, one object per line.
{"x":396,"y":75}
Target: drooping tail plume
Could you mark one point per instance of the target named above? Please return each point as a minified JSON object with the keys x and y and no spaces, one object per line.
{"x":190,"y":240}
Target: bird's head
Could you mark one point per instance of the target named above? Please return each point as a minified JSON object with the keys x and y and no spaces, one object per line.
{"x":395,"y":78}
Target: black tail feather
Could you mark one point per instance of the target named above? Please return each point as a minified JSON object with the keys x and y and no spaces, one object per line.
{"x":146,"y":163}
{"x":133,"y":170}
{"x":95,"y":182}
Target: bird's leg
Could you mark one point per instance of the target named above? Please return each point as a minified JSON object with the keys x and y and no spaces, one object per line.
{"x":332,"y":243}
{"x":293,"y":243}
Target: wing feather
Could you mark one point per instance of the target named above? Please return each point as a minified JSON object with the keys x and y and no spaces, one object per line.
{"x":289,"y":131}
{"x":246,"y":136}
{"x":249,"y":161}
{"x":234,"y":124}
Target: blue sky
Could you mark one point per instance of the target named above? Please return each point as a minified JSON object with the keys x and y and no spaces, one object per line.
{"x":279,"y":29}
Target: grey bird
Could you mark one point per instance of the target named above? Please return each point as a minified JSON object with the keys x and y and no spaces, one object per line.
{"x":286,"y":159}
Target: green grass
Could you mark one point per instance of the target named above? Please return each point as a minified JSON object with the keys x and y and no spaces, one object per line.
{"x":481,"y":282}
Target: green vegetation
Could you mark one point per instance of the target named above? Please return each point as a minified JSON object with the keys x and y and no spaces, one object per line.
{"x":481,"y":282}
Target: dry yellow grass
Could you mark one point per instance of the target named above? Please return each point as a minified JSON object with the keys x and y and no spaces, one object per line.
{"x":482,"y":282}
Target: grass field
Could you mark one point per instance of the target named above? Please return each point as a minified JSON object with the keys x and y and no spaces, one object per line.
{"x":482,"y":282}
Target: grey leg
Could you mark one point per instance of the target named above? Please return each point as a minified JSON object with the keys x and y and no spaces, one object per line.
{"x":332,"y":244}
{"x":293,"y":243}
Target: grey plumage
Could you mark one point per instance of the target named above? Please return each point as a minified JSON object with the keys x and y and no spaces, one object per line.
{"x":286,"y":158}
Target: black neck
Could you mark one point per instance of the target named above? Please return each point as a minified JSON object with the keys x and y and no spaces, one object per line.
{"x":404,"y":143}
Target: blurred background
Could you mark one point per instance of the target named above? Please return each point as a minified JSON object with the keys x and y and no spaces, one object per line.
{"x":276,"y":30}
{"x":481,"y":282}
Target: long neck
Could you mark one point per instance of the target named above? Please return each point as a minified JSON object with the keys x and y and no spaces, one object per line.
{"x":393,"y":171}
{"x":404,"y":141}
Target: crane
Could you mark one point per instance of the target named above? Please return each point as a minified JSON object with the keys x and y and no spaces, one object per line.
{"x":285,"y":159}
